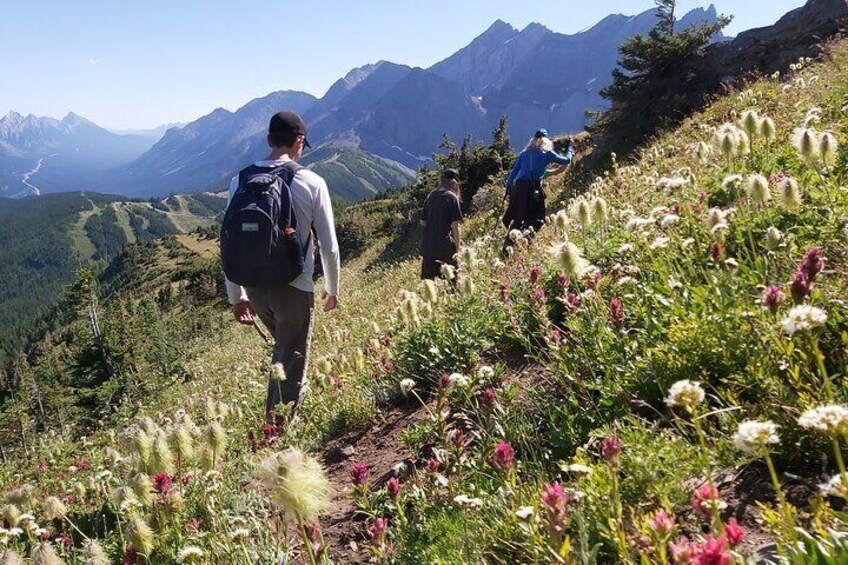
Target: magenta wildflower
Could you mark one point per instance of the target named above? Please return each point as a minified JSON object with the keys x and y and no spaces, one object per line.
{"x":162,"y":483}
{"x":393,"y":488}
{"x":555,"y":503}
{"x":705,"y":499}
{"x":563,"y":281}
{"x":432,"y":465}
{"x":812,"y":264}
{"x":377,"y":530}
{"x":534,"y":274}
{"x":734,"y":532}
{"x":714,"y":552}
{"x":661,"y":523}
{"x":611,"y":450}
{"x":682,"y":551}
{"x":800,"y":287}
{"x":616,"y":313}
{"x":444,"y":381}
{"x":773,"y":297}
{"x":716,"y":251}
{"x":486,"y":399}
{"x":359,"y":474}
{"x":504,"y":457}
{"x":539,"y":296}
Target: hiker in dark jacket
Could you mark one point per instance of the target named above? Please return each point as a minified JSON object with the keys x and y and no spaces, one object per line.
{"x":526,"y":206}
{"x":440,"y":219}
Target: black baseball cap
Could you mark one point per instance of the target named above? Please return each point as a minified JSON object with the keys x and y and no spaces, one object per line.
{"x":450,"y":174}
{"x":288,"y":123}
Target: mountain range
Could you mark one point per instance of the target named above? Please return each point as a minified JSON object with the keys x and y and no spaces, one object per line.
{"x":372,"y":128}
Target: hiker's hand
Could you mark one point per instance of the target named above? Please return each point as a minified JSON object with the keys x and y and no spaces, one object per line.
{"x":330,"y":302}
{"x":243,"y":313}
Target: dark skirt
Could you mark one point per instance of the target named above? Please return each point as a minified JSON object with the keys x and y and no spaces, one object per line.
{"x":526,"y":206}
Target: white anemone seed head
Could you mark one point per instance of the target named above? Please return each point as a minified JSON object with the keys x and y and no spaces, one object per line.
{"x":750,"y":121}
{"x":788,"y":193}
{"x":753,"y":436}
{"x":807,"y":143}
{"x":296,"y":482}
{"x":94,"y":554}
{"x":570,"y":259}
{"x":830,"y":420}
{"x":827,"y":148}
{"x":54,"y":509}
{"x":600,"y":209}
{"x":140,"y":535}
{"x":10,"y":557}
{"x":767,"y":128}
{"x":774,"y":238}
{"x":803,"y":318}
{"x":685,"y":394}
{"x":407,"y":386}
{"x":45,"y":554}
{"x":758,"y":189}
{"x":190,"y":554}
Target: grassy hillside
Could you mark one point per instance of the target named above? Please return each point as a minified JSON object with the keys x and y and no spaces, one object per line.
{"x":44,"y":240}
{"x":352,"y":174}
{"x":589,"y":398}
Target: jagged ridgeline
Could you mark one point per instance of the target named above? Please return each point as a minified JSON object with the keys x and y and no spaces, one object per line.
{"x":44,"y":240}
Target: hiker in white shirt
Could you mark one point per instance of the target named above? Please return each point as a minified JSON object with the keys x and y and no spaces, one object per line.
{"x":287,"y":311}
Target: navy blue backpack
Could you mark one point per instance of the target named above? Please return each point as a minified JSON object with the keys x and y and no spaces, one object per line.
{"x":259,"y":243}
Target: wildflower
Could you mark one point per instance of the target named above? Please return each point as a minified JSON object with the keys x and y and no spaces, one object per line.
{"x":485,"y":373}
{"x":240,"y":535}
{"x":669,"y":220}
{"x":10,"y":557}
{"x":731,"y":263}
{"x":296,"y":482}
{"x":216,"y":438}
{"x":459,"y":380}
{"x":406,"y":386}
{"x":734,"y":532}
{"x":714,"y":551}
{"x":788,"y":193}
{"x":466,"y":284}
{"x":626,"y":248}
{"x":767,"y":129}
{"x":467,"y":502}
{"x":600,"y":209}
{"x":774,"y":238}
{"x":561,"y":221}
{"x":555,"y":504}
{"x":54,"y":509}
{"x":504,"y":457}
{"x":834,"y":487}
{"x":161,"y":456}
{"x":812,"y":264}
{"x":611,"y":450}
{"x":802,"y":318}
{"x":686,"y":394}
{"x":705,"y":500}
{"x":703,"y":152}
{"x":524,"y":512}
{"x":393,"y":488}
{"x":11,"y":514}
{"x":140,"y":443}
{"x":448,"y":272}
{"x":659,"y":243}
{"x":95,"y":554}
{"x":44,"y":554}
{"x":190,"y":554}
{"x":432,"y":465}
{"x":359,"y":474}
{"x":773,"y":297}
{"x":577,"y":469}
{"x":753,"y":436}
{"x":182,"y":442}
{"x":616,"y":315}
{"x":750,"y":121}
{"x":377,"y":530}
{"x":827,"y":149}
{"x":142,"y":486}
{"x":807,"y":144}
{"x":583,"y":213}
{"x":732,"y":181}
{"x":683,"y":552}
{"x":831,"y":420}
{"x":570,"y":260}
{"x":140,"y":535}
{"x":758,"y":189}
{"x":661,"y":523}
{"x":162,"y":483}
{"x":514,"y":235}
{"x":534,"y":274}
{"x":799,"y":287}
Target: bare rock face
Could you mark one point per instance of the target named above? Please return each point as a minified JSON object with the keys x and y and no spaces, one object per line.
{"x":800,"y":33}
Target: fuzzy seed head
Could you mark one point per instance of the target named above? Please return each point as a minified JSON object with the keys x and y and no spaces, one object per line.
{"x":827,"y":149}
{"x":570,"y":260}
{"x":182,"y":442}
{"x":807,"y":144}
{"x":296,"y":482}
{"x":10,"y":557}
{"x":161,"y":457}
{"x":758,"y":189}
{"x":788,"y":193}
{"x":94,"y":554}
{"x":773,"y":238}
{"x":142,"y":488}
{"x":750,"y":122}
{"x":54,"y":509}
{"x":600,"y":209}
{"x":140,"y":535}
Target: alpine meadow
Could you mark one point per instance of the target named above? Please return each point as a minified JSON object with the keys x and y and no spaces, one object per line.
{"x":657,"y":375}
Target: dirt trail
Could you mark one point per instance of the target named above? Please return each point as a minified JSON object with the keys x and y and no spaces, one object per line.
{"x":379,"y":447}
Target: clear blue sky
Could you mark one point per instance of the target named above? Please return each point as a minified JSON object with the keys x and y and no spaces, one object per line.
{"x":142,"y":64}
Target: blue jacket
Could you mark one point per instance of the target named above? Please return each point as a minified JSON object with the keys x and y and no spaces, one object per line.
{"x":533,"y":164}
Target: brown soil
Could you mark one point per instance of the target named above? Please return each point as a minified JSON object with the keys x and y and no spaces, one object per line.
{"x":379,"y":447}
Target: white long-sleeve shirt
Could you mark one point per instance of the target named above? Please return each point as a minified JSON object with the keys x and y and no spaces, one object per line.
{"x":312,"y":206}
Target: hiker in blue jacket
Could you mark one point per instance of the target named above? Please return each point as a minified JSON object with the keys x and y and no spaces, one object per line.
{"x":526,"y":206}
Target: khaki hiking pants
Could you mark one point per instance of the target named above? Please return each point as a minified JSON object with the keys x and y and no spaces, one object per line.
{"x":287,"y":312}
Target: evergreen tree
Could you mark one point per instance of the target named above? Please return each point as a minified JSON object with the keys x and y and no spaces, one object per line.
{"x":661,"y":78}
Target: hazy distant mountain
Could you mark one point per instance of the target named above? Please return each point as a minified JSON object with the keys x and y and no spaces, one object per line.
{"x":154,"y":133}
{"x":206,"y":152}
{"x":41,"y":155}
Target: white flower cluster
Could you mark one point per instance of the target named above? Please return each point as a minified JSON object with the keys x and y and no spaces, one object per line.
{"x":830,"y":420}
{"x":803,"y":318}
{"x":686,"y":394}
{"x":752,"y":436}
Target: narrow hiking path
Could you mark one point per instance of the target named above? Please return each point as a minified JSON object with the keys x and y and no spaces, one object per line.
{"x":28,"y":175}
